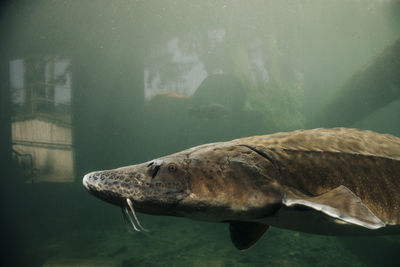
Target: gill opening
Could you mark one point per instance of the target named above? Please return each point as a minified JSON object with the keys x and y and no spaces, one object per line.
{"x":127,"y":216}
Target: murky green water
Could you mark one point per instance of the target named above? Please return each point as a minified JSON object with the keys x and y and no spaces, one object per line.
{"x":91,"y":85}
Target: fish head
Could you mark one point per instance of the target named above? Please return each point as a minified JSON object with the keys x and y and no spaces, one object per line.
{"x":214,"y":182}
{"x":155,"y":187}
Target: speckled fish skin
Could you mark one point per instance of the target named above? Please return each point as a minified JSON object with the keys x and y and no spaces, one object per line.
{"x":319,"y":160}
{"x":247,"y":179}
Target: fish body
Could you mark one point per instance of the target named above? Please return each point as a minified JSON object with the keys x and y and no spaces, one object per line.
{"x":323,"y":181}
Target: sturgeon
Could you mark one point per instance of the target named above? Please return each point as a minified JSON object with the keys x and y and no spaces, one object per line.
{"x":323,"y":181}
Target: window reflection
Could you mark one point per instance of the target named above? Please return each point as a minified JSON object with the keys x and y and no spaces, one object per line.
{"x":41,"y":124}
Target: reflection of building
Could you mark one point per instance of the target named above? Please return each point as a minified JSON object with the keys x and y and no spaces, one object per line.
{"x":49,"y":143}
{"x":41,"y":125}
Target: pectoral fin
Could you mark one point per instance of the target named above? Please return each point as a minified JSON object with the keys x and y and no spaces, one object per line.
{"x":340,"y":203}
{"x":246,"y":234}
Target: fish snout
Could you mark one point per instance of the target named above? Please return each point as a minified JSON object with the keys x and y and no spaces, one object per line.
{"x":88,"y":180}
{"x":94,"y":180}
{"x":106,"y":185}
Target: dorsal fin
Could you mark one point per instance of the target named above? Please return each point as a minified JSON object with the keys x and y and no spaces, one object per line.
{"x":246,"y":234}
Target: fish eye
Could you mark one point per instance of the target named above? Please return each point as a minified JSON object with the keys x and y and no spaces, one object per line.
{"x":172,"y":167}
